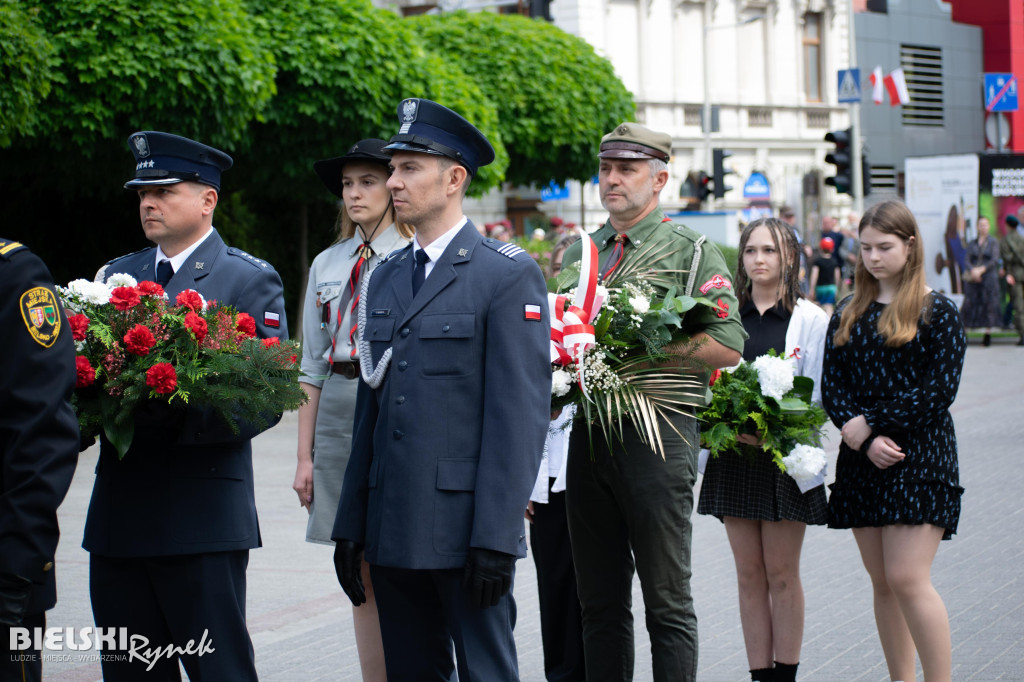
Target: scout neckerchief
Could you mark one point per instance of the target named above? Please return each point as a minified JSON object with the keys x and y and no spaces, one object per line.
{"x":352,"y":290}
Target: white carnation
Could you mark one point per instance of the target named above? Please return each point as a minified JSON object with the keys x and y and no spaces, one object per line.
{"x":121,"y":279}
{"x":601,"y":290}
{"x":561,"y":382}
{"x":88,"y":291}
{"x":639,"y":304}
{"x":775,"y":375}
{"x":806,"y":465}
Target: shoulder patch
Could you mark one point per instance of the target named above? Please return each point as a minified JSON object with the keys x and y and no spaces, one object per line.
{"x":41,"y":314}
{"x":258,"y":262}
{"x":507,"y":249}
{"x":8,"y":247}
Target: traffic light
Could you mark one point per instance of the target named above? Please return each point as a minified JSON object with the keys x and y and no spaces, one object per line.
{"x":840,"y":158}
{"x":865,"y":174}
{"x":702,"y":185}
{"x":720,"y":171}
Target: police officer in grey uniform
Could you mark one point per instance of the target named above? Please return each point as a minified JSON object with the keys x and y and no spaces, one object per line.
{"x":38,"y":446}
{"x":170,"y":525}
{"x":451,"y":421}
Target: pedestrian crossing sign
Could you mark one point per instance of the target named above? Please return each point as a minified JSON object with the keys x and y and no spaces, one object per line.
{"x":849,"y":85}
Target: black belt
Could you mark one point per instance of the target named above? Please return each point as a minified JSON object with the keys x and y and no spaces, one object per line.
{"x":349,"y":370}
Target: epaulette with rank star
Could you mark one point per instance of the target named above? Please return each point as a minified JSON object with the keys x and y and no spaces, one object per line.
{"x":507,"y":249}
{"x":258,"y":262}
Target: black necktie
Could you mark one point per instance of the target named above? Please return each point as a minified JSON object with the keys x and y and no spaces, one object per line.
{"x":419,"y":273}
{"x":164,"y":272}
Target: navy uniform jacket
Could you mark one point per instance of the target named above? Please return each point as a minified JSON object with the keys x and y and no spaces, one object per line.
{"x":446,"y":451}
{"x":187,"y":490}
{"x":38,"y":429}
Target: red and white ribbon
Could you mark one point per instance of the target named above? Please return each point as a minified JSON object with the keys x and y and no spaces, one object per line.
{"x":572,"y":329}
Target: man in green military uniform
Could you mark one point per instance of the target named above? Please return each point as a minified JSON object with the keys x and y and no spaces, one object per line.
{"x":628,"y":508}
{"x":1012,"y":251}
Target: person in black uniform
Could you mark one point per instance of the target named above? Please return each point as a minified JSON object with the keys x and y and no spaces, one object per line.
{"x":170,"y":526}
{"x":38,"y":446}
{"x":450,"y":420}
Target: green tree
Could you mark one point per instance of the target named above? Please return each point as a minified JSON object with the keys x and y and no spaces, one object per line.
{"x":195,"y":69}
{"x":343,"y":68}
{"x":554,"y":95}
{"x":27,"y":62}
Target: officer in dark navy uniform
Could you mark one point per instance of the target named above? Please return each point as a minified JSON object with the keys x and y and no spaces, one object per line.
{"x":38,"y":446}
{"x":450,"y":421}
{"x":170,"y":526}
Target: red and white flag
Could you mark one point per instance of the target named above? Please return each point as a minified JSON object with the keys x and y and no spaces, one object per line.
{"x":896,"y":84}
{"x":531,"y":312}
{"x":271,"y":319}
{"x":877,"y":89}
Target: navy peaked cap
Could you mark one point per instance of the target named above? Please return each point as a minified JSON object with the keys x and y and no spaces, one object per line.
{"x":429,"y":128}
{"x":370,"y":150}
{"x":166,"y":159}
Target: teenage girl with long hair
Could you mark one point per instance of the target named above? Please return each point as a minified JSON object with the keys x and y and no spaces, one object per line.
{"x":764,"y":512}
{"x":893,"y":357}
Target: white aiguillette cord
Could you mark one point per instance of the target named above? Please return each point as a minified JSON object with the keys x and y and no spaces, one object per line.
{"x":374,"y":376}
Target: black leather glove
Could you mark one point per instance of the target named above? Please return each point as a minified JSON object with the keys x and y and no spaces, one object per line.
{"x":156,"y":419}
{"x":488,"y":575}
{"x":348,"y":561}
{"x":14,"y":594}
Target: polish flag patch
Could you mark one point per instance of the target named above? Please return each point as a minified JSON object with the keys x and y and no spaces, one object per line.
{"x":271,"y":319}
{"x":531,"y":312}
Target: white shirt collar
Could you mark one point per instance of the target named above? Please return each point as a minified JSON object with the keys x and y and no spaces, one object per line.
{"x":436,"y":248}
{"x":179,"y":260}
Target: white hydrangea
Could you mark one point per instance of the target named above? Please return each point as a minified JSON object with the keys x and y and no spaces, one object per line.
{"x":121,"y":279}
{"x":775,"y":375}
{"x":561,"y":382}
{"x":639,"y":304}
{"x":88,"y":291}
{"x":806,"y":465}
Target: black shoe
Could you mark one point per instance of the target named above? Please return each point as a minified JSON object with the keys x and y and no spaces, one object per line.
{"x":986,"y":340}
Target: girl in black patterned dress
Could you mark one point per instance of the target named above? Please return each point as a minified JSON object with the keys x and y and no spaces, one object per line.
{"x":764,"y":512}
{"x":893,"y":357}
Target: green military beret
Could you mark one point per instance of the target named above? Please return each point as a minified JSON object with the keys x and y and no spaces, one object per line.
{"x":634,"y":141}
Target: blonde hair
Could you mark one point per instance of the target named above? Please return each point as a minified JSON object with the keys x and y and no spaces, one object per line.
{"x":899,"y":321}
{"x":786,"y":245}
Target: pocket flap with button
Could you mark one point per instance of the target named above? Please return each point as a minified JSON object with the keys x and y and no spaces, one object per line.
{"x":456,"y":474}
{"x":328,"y":292}
{"x":379,"y":328}
{"x":447,"y":326}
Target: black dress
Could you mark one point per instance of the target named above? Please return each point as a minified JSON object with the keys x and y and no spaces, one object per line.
{"x":904,"y":393}
{"x":749,"y":485}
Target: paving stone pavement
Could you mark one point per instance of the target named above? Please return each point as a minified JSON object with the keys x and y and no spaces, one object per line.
{"x":301,"y":623}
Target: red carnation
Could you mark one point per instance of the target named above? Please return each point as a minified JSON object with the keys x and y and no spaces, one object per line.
{"x":85,"y":371}
{"x":246,"y":325}
{"x":556,"y":221}
{"x":139,"y":340}
{"x":272,"y":342}
{"x":79,"y":324}
{"x":148,"y":288}
{"x":190,"y":298}
{"x":197,"y":325}
{"x":124,"y":298}
{"x":162,"y":378}
{"x":714,"y":377}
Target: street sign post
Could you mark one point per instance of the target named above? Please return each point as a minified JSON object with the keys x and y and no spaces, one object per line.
{"x":849,"y":86}
{"x":1000,"y":92}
